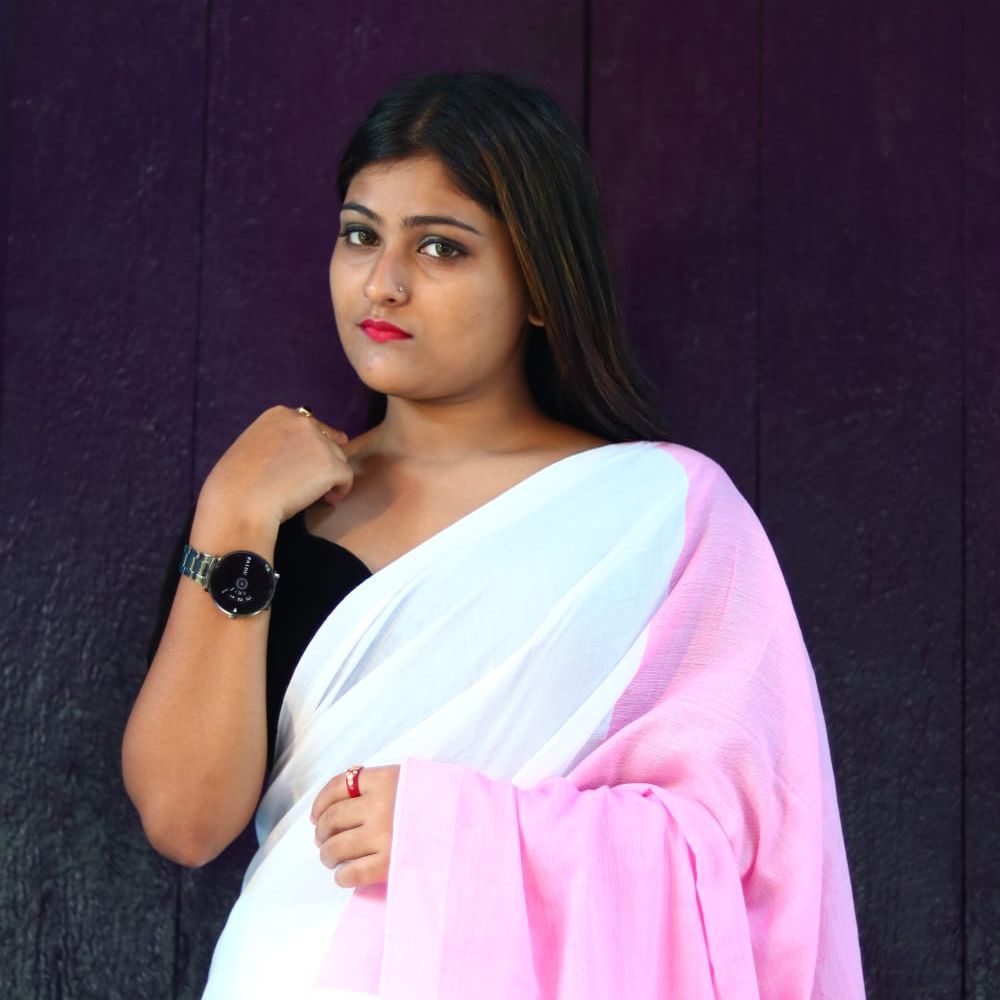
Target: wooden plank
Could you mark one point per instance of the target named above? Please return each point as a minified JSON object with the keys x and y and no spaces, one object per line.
{"x":982,"y":499}
{"x":4,"y":147}
{"x":673,"y":133}
{"x":286,"y":90}
{"x":861,"y":435}
{"x":104,"y":168}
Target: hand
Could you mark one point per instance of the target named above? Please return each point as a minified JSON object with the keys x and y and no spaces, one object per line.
{"x":281,"y":464}
{"x":355,"y":835}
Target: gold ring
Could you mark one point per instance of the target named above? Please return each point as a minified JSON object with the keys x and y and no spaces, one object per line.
{"x":305,"y":411}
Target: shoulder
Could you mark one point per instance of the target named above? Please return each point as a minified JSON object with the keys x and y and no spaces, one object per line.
{"x":696,"y":465}
{"x":712,"y":499}
{"x":698,"y":472}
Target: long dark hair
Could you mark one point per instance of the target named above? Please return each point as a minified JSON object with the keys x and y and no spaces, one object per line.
{"x":510,"y":147}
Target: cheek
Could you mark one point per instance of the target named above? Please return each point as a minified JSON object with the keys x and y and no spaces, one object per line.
{"x":507,"y":297}
{"x":502,"y":311}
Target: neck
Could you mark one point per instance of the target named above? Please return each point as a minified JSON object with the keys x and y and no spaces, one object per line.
{"x":452,"y":431}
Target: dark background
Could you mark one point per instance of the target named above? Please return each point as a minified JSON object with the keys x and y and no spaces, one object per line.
{"x":803,"y":206}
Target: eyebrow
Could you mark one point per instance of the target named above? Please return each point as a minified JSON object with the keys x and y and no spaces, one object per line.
{"x":412,"y":221}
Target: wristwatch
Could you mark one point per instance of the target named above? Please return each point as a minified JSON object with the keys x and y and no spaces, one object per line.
{"x":241,"y":583}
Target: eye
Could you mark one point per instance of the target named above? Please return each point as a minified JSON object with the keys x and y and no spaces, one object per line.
{"x":441,"y":249}
{"x":358,"y":236}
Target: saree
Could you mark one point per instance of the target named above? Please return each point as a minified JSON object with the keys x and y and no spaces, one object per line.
{"x":615,"y":778}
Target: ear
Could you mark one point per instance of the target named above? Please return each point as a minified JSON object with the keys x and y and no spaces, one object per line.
{"x":535,"y":319}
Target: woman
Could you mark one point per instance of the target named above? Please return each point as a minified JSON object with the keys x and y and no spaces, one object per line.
{"x":594,"y":758}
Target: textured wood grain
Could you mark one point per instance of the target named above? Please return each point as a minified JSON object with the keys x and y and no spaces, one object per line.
{"x":861,"y":440}
{"x":121,"y":386}
{"x":982,"y":499}
{"x":101,"y":275}
{"x":286,"y":89}
{"x":673,"y":99}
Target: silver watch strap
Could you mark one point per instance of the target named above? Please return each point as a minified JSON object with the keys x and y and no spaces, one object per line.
{"x":197,"y":565}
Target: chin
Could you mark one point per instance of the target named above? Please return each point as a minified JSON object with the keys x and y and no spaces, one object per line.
{"x":374,"y":370}
{"x":409,"y":389}
{"x":406,"y":378}
{"x":389,"y":383}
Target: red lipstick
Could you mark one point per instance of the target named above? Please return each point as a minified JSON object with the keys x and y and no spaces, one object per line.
{"x":381,"y":331}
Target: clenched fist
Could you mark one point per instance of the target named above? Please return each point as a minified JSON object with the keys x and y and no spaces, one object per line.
{"x":281,"y":464}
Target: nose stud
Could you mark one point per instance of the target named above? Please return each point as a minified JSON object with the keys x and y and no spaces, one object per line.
{"x":372,"y":290}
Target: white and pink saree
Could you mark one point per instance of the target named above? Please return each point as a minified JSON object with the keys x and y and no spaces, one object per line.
{"x":615,"y":776}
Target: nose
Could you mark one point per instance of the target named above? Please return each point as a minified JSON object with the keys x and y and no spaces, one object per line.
{"x":387,"y":282}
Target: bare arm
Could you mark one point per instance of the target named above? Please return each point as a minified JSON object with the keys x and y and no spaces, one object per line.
{"x":195,"y":748}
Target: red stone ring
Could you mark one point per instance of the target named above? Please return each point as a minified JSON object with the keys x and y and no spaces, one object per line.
{"x":351,"y":777}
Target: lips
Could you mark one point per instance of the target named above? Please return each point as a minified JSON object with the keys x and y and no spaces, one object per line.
{"x":380,"y":330}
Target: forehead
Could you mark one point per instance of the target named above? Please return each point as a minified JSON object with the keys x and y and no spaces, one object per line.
{"x":417,"y":185}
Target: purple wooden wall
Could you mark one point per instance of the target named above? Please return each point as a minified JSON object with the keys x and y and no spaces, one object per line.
{"x":803,"y":207}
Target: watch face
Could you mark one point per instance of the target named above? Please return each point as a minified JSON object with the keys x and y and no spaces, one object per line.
{"x":242,"y":583}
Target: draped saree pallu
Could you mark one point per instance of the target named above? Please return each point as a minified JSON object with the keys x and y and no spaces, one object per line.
{"x":615,"y":777}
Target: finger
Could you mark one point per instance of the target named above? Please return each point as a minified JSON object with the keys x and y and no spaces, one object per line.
{"x":331,"y":444}
{"x":330,"y":432}
{"x":335,"y":790}
{"x":336,"y":494}
{"x":342,"y":474}
{"x":364,"y":871}
{"x":346,"y":815}
{"x":342,"y":485}
{"x":346,"y":846}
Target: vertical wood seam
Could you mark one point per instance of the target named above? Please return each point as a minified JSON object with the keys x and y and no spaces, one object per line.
{"x":6,"y":61}
{"x":759,"y":267}
{"x":200,"y":250}
{"x":963,"y":546}
{"x":175,"y":970}
{"x":587,"y":74}
{"x":195,"y":380}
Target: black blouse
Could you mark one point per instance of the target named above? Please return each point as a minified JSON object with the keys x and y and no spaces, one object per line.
{"x":315,"y":576}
